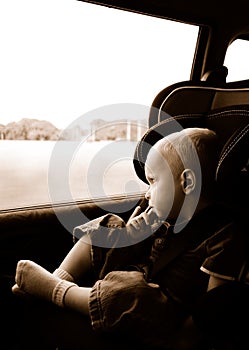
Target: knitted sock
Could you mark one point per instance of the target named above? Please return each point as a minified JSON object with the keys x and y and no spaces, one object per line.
{"x":63,"y":274}
{"x":60,"y":291}
{"x":35,"y":280}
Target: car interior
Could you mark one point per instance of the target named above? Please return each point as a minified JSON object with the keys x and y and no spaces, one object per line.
{"x":205,"y":100}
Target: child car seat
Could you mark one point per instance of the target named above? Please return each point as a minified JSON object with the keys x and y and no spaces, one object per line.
{"x":224,"y":109}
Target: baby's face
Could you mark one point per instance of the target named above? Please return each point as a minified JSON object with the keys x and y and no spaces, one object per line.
{"x":164,"y":187}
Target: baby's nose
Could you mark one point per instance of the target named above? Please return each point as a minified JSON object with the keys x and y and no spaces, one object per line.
{"x":147,"y":194}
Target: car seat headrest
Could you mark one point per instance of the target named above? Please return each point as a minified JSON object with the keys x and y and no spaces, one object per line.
{"x":183,"y":98}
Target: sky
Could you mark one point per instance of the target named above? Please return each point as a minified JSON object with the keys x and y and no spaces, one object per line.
{"x":62,"y":58}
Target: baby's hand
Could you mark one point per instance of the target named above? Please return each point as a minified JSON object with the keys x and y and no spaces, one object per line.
{"x":142,"y":220}
{"x":143,"y":225}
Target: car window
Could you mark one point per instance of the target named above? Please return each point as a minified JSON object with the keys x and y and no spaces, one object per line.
{"x":77,"y":81}
{"x":236,"y":60}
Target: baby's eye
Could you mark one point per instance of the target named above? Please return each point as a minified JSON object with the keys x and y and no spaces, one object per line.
{"x":151,"y":180}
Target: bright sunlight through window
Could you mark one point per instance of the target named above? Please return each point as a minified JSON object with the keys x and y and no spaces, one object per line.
{"x":77,"y":81}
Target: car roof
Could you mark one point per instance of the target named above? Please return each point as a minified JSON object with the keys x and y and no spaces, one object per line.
{"x":231,"y":17}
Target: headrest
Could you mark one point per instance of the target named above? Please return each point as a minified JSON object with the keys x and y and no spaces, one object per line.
{"x":184,"y":97}
{"x":231,"y":124}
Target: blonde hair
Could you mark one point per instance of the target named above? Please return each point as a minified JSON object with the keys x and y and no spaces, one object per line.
{"x":196,"y":149}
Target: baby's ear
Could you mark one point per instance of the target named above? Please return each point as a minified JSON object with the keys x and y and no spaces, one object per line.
{"x":188,"y":181}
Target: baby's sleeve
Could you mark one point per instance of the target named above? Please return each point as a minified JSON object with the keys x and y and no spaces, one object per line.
{"x":124,"y":302}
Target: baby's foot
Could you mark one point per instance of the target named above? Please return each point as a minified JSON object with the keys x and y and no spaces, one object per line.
{"x":34,"y":280}
{"x":19,"y":292}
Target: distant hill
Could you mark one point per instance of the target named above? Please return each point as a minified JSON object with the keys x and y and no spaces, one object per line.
{"x":29,"y":129}
{"x":34,"y":129}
